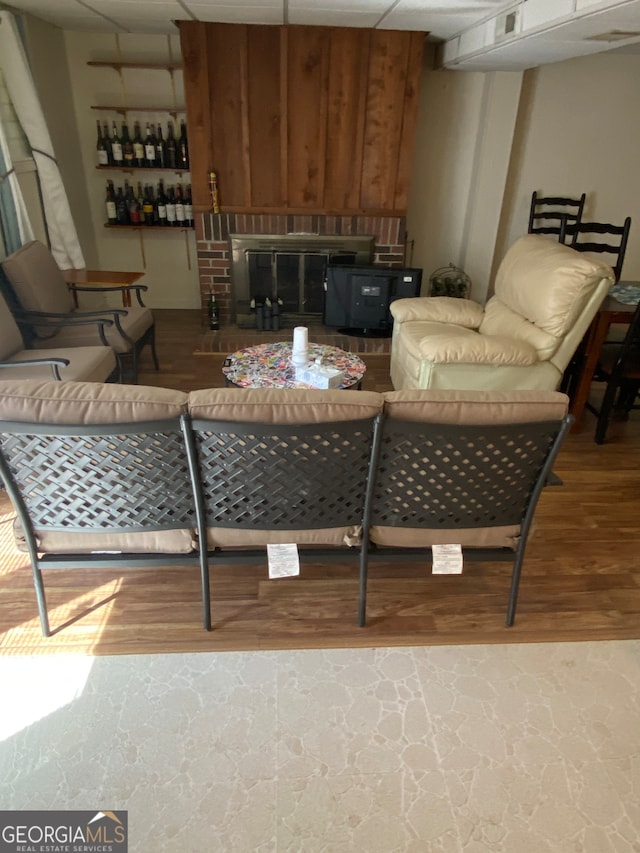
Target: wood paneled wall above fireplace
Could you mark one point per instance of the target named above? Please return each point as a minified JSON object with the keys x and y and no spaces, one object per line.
{"x":300,"y":119}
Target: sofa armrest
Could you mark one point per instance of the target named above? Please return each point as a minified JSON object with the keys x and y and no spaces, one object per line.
{"x":477,"y":349}
{"x":438,"y":309}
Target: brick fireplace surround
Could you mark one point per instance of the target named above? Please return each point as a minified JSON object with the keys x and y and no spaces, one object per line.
{"x":214,"y":250}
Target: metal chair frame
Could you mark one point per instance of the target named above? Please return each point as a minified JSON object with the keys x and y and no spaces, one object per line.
{"x":116,"y":478}
{"x":461,"y":478}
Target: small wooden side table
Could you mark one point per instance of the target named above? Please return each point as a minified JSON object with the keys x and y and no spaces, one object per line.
{"x":610,"y":313}
{"x":102,"y":278}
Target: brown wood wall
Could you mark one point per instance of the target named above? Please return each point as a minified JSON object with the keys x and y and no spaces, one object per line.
{"x":301,"y":119}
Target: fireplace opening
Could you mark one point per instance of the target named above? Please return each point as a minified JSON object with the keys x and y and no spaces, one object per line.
{"x":290,"y":271}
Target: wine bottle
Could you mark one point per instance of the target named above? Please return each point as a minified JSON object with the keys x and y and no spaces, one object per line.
{"x":148,"y":207}
{"x":150,"y":148}
{"x":127,"y":146}
{"x":103,"y":154}
{"x":161,"y":204}
{"x":132,"y":206}
{"x":188,"y":207}
{"x":138,"y":146}
{"x":116,"y":147}
{"x":122,"y":211}
{"x":214,"y":318}
{"x":171,"y":207}
{"x":107,"y":144}
{"x":180,"y":219}
{"x":161,"y":153}
{"x":183,"y":147}
{"x":112,"y":217}
{"x":140,"y":200}
{"x":172,"y":150}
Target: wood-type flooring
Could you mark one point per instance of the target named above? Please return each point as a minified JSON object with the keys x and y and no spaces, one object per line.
{"x":581,"y":578}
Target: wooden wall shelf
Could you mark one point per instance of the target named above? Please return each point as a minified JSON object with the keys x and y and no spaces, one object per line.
{"x":130,"y":169}
{"x":153,"y":66}
{"x":166,"y":228}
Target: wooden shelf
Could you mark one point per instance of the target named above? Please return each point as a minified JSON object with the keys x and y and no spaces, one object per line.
{"x":120,"y":109}
{"x":143,"y":227}
{"x":152,"y":66}
{"x":130,"y":169}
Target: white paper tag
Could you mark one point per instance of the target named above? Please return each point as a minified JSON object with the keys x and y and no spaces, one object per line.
{"x":446,"y":559}
{"x":284,"y":561}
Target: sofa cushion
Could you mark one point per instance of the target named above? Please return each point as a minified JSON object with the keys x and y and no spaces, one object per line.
{"x":499,"y":320}
{"x":37,"y":280}
{"x":283,"y":406}
{"x":411,"y":537}
{"x":475,"y":407}
{"x":92,"y":542}
{"x":547,"y":282}
{"x":328,"y":537}
{"x":88,"y":402}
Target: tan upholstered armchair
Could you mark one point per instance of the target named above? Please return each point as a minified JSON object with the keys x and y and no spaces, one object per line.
{"x":546,"y":295}
{"x":45,"y":302}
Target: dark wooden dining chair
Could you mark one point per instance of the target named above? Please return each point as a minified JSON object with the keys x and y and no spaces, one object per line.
{"x":556,"y":215}
{"x":603,"y":237}
{"x":619,"y":367}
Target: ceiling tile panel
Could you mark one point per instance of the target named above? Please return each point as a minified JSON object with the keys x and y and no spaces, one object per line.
{"x":237,"y":14}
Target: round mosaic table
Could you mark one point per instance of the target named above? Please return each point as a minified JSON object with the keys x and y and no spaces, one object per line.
{"x":269,"y":366}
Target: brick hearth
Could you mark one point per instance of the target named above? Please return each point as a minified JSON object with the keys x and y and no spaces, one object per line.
{"x":214,"y":254}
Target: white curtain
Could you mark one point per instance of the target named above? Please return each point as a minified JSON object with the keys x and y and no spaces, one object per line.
{"x":14,"y":220}
{"x":63,"y":238}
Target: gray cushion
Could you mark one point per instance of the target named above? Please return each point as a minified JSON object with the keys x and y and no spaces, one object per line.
{"x":10,"y":337}
{"x":37,"y":280}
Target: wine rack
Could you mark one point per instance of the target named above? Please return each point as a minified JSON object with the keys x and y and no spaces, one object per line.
{"x":173,"y":110}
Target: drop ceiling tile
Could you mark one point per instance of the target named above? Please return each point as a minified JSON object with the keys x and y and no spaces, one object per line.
{"x":237,"y":14}
{"x":138,"y":9}
{"x":378,"y":6}
{"x":333,"y":18}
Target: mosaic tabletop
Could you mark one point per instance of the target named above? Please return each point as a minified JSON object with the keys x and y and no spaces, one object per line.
{"x":270,"y":366}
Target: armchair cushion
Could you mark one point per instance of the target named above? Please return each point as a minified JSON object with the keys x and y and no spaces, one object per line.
{"x":438,"y":309}
{"x":498,"y":317}
{"x":134,"y":324}
{"x":547,"y":282}
{"x":477,"y":349}
{"x":26,"y":269}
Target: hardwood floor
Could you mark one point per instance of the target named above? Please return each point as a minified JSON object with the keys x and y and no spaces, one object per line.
{"x":580,"y":580}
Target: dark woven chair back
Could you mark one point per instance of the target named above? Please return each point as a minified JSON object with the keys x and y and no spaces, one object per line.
{"x":95,"y":480}
{"x":282,"y":477}
{"x":555,"y":215}
{"x":458,"y":478}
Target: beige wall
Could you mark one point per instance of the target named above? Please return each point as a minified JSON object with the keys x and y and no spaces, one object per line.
{"x":574,"y":128}
{"x":579,"y":131}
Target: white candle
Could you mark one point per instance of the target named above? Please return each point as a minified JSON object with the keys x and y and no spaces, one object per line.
{"x":300,"y":338}
{"x":300,"y":351}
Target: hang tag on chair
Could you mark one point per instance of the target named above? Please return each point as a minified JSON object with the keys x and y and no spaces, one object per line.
{"x":446,"y":559}
{"x":284,"y":561}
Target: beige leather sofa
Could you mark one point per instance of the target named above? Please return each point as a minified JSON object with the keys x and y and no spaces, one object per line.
{"x":545,"y":296}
